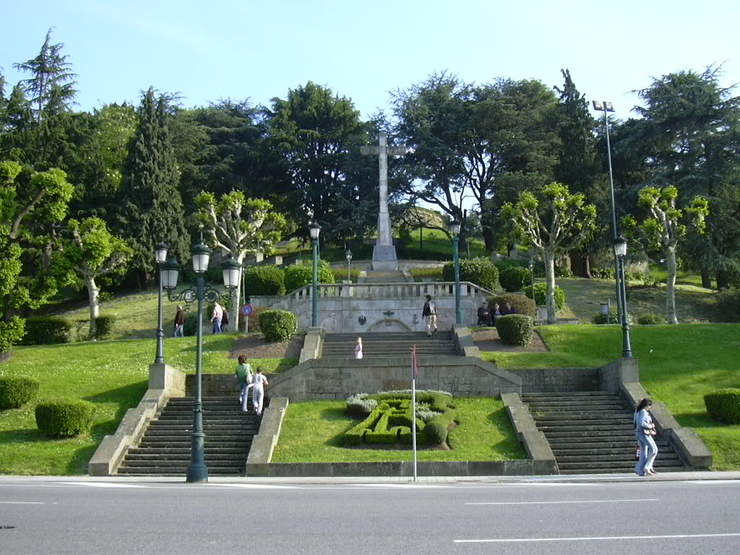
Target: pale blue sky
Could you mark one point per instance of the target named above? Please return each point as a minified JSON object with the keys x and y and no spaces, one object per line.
{"x":362,"y":49}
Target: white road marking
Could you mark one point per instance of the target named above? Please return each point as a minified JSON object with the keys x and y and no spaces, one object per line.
{"x":102,"y":484}
{"x":561,"y":502}
{"x":602,"y":538}
{"x":393,"y":486}
{"x":712,"y":482}
{"x":22,"y":503}
{"x":255,"y":486}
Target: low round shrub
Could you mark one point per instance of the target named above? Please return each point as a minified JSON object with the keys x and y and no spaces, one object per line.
{"x":360,"y":405}
{"x":64,"y":418}
{"x":540,"y":293}
{"x":480,"y":271}
{"x":298,"y":275}
{"x":728,"y":305}
{"x":104,"y":326}
{"x":264,"y":280}
{"x":611,"y":318}
{"x":515,"y":329}
{"x":650,"y":318}
{"x":11,"y":332}
{"x":436,"y":430}
{"x":278,"y":325}
{"x":47,"y":330}
{"x":513,"y":278}
{"x":724,"y":405}
{"x":520,"y":304}
{"x":16,"y":391}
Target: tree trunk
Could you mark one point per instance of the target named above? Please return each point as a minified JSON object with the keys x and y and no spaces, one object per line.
{"x":670,"y":300}
{"x":549,"y":260}
{"x":723,"y":279}
{"x":93,"y":296}
{"x":706,"y":277}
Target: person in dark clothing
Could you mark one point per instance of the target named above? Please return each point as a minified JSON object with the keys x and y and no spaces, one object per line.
{"x":484,"y":316}
{"x":179,"y":322}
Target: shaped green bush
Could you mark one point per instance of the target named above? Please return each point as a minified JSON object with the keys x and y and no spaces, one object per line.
{"x":611,"y":318}
{"x":264,"y":280}
{"x":64,"y":418}
{"x":298,"y":275}
{"x":520,"y":303}
{"x":515,"y":329}
{"x":728,"y":305}
{"x":278,"y":325}
{"x":480,"y":271}
{"x":16,"y":391}
{"x":650,"y":319}
{"x":104,"y":326}
{"x":513,"y":278}
{"x":47,"y":330}
{"x":540,"y":294}
{"x":724,"y":405}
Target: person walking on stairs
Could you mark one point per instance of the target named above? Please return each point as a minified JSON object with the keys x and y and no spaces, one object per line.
{"x":429,"y":313}
{"x":645,"y":432}
{"x":243,"y":375}
{"x":258,"y":393}
{"x":358,"y":349}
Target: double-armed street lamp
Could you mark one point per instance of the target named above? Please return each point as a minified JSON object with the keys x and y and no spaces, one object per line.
{"x":620,"y":252}
{"x":455,"y":230}
{"x":160,"y":256}
{"x":348,"y":256}
{"x":197,"y":471}
{"x":314,"y":229}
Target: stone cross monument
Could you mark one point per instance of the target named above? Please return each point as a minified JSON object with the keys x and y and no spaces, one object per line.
{"x":384,"y":253}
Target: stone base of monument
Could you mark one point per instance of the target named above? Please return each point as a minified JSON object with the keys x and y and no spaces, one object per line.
{"x":384,"y":258}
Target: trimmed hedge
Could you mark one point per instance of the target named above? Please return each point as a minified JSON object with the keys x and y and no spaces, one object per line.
{"x":360,"y":405}
{"x":724,"y":405}
{"x":16,"y":391}
{"x":278,"y":325}
{"x":480,"y":271}
{"x":515,"y":329}
{"x":611,"y":318}
{"x":104,"y":326}
{"x":514,"y":278}
{"x":47,"y":330}
{"x":64,"y":418}
{"x":298,"y":275}
{"x":264,"y":280}
{"x":650,"y":319}
{"x":728,"y":305}
{"x":540,"y":292}
{"x":11,"y":332}
{"x":520,"y":303}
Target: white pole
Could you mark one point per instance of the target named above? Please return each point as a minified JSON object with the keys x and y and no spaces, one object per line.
{"x":413,"y":406}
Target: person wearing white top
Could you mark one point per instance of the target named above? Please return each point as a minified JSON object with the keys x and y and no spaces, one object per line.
{"x":358,"y":349}
{"x":258,"y":390}
{"x":645,"y":432}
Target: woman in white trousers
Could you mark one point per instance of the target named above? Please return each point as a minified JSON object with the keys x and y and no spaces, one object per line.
{"x":258,"y":390}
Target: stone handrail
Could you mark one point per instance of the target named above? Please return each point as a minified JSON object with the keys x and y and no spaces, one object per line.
{"x":391,"y":290}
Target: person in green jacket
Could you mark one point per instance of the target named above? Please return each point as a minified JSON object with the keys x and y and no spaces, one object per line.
{"x":243,"y":375}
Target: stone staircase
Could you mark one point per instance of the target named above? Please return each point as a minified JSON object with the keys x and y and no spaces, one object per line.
{"x":164,"y":449}
{"x":592,"y":432}
{"x":388,"y":344}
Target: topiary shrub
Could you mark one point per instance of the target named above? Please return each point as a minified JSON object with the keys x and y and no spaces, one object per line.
{"x":11,"y":332}
{"x":298,"y":275}
{"x":650,"y":318}
{"x":104,"y":326}
{"x":64,"y":418}
{"x":278,"y":325}
{"x":47,"y":330}
{"x":540,"y":293}
{"x":515,"y":329}
{"x":436,"y":431}
{"x":728,"y":305}
{"x":513,"y":278}
{"x":520,"y":303}
{"x":264,"y":280}
{"x":480,"y":271}
{"x":360,"y":405}
{"x":16,"y":391}
{"x":611,"y":318}
{"x":724,"y":405}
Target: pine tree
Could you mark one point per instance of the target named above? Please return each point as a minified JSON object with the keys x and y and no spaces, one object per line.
{"x":150,"y":199}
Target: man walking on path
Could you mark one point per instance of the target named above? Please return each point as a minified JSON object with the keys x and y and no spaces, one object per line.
{"x":429,"y":313}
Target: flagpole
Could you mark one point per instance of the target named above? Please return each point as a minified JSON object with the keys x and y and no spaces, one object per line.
{"x":413,"y":405}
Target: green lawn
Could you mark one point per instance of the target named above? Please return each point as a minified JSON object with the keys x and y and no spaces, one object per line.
{"x":312,"y":432}
{"x":678,"y":366}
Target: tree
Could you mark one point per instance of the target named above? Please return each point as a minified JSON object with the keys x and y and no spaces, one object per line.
{"x":31,"y":203}
{"x":151,"y":205}
{"x":553,"y":221}
{"x":239,"y":226}
{"x":666,"y":226}
{"x":92,"y":252}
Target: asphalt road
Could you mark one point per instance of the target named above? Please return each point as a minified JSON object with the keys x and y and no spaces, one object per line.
{"x":134,"y":516}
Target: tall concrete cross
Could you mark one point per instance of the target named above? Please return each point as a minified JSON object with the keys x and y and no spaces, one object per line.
{"x":384,"y":253}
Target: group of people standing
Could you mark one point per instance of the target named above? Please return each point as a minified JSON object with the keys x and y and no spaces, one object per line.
{"x":219,"y":319}
{"x":248,"y":380}
{"x":487,"y":317}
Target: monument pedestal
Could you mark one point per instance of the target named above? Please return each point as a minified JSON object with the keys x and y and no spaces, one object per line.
{"x":384,"y":258}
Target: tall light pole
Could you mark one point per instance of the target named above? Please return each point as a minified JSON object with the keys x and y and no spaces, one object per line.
{"x":604,"y":106}
{"x":314,"y":229}
{"x":620,"y":251}
{"x":455,"y":230}
{"x":531,"y":274}
{"x":348,"y":256}
{"x":160,"y":256}
{"x":198,"y":471}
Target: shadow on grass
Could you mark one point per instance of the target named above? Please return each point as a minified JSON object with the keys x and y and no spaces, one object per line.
{"x":125,"y":397}
{"x":697,"y":420}
{"x":78,"y":463}
{"x":23,"y":435}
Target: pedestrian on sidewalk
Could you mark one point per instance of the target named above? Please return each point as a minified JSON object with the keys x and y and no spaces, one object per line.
{"x":218,"y":314}
{"x":645,"y":433}
{"x":179,"y":322}
{"x":258,"y":392}
{"x":358,"y":349}
{"x":429,"y":313}
{"x":243,"y":375}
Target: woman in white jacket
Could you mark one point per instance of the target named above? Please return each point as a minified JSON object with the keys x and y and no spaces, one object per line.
{"x":645,"y":432}
{"x":258,"y":390}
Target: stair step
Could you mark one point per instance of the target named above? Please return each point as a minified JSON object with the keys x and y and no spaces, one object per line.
{"x":612,"y":457}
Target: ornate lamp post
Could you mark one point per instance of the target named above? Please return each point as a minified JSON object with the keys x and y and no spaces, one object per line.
{"x":160,"y":256}
{"x":620,"y":251}
{"x":198,"y":471}
{"x":314,"y":230}
{"x":455,"y":229}
{"x":348,"y":256}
